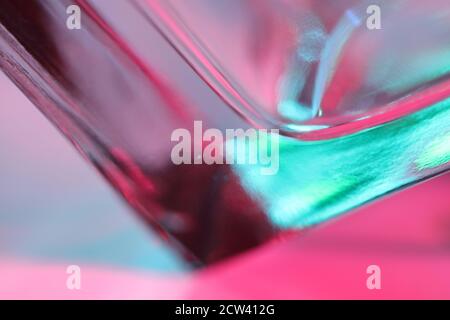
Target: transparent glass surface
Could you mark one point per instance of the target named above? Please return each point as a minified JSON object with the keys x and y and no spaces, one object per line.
{"x":361,"y":112}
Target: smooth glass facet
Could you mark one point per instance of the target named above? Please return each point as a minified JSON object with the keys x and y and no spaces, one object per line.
{"x":362,"y":112}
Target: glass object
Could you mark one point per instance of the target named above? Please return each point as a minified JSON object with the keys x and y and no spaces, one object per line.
{"x":361,"y":112}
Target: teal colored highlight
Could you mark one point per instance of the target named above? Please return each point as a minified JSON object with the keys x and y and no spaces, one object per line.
{"x":319,"y":180}
{"x":437,"y":154}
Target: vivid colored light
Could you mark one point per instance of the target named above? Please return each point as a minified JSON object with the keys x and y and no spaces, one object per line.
{"x":437,"y":154}
{"x":320,"y":180}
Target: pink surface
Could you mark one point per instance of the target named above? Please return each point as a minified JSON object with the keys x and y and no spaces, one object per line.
{"x":406,"y":235}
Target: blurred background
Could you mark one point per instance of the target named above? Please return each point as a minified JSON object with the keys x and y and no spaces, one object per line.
{"x":56,"y":210}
